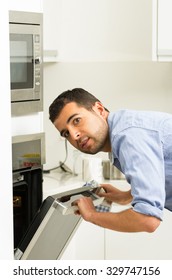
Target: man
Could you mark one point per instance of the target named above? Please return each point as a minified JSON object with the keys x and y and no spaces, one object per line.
{"x":141,"y":145}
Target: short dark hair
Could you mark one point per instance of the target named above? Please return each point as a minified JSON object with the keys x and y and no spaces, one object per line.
{"x":78,"y":95}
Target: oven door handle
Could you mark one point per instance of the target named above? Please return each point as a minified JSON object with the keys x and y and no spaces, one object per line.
{"x":67,"y":208}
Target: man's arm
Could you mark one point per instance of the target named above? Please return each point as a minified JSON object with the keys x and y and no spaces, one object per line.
{"x":125,"y":221}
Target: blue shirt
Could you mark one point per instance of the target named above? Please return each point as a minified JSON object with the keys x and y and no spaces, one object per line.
{"x":142,"y":149}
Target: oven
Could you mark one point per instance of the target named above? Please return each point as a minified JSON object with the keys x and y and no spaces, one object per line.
{"x":26,"y":62}
{"x":28,"y":156}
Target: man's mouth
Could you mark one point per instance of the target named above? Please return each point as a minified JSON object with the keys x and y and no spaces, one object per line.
{"x":83,"y":142}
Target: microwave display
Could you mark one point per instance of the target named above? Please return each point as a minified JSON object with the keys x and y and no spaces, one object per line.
{"x":26,"y":62}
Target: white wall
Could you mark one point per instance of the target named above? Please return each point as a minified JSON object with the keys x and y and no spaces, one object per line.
{"x":104,"y":46}
{"x":133,"y":85}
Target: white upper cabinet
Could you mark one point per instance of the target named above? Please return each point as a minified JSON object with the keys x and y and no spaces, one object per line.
{"x":99,"y":30}
{"x":162,"y":30}
{"x":52,"y":10}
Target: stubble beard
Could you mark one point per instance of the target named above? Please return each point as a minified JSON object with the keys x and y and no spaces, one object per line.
{"x":99,"y":141}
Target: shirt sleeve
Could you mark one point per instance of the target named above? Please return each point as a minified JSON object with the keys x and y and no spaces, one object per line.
{"x":140,"y":154}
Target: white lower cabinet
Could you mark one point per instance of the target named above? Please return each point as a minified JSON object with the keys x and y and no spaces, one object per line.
{"x":91,"y":242}
{"x":86,"y":244}
{"x":140,"y":246}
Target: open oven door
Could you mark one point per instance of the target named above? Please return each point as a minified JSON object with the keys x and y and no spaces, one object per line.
{"x":53,"y":226}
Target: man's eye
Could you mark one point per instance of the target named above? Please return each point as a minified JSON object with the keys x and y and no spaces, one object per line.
{"x":76,"y":121}
{"x":65,"y":134}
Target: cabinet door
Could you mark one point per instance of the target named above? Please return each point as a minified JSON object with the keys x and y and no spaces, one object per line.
{"x":162,"y":23}
{"x":52,"y":10}
{"x":86,"y":244}
{"x":138,"y":246}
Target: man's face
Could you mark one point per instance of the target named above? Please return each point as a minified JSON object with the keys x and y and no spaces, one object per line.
{"x":86,"y":130}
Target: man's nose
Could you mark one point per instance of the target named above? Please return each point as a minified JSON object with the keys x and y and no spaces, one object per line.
{"x":75,"y":134}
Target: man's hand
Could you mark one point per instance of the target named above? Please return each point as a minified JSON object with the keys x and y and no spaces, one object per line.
{"x":112,"y":194}
{"x":85,"y":207}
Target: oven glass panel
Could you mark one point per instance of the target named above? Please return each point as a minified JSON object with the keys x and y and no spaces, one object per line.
{"x":21,"y":213}
{"x":26,"y":154}
{"x":21,"y":61}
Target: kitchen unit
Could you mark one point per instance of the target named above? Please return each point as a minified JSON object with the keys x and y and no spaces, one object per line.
{"x":26,"y":56}
{"x":28,"y":150}
{"x":128,"y":75}
{"x":28,"y":137}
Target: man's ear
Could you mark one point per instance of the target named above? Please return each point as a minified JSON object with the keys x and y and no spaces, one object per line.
{"x":99,"y":109}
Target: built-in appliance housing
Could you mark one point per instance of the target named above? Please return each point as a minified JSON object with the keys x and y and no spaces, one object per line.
{"x":26,"y":56}
{"x":28,"y":156}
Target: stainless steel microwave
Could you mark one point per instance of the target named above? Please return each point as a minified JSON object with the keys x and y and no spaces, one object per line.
{"x":26,"y":55}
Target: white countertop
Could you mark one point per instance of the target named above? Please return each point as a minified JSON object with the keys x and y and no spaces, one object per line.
{"x":59,"y":181}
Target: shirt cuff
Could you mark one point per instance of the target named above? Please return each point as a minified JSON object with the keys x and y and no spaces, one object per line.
{"x":149,"y":210}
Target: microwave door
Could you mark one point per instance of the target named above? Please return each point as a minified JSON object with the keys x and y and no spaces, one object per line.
{"x":25,"y":60}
